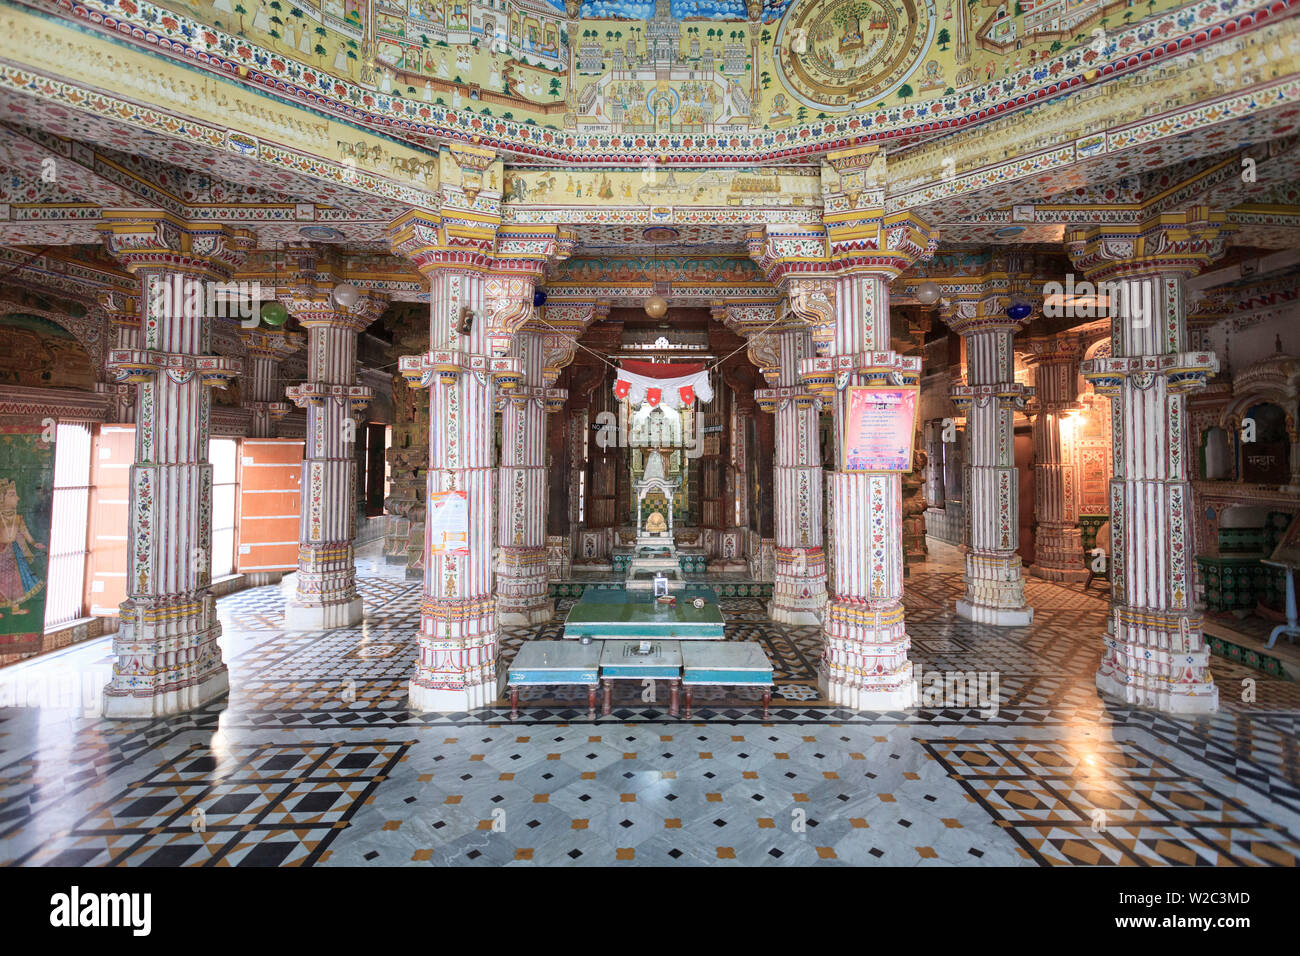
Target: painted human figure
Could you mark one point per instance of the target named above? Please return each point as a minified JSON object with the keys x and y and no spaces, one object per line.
{"x":17,"y":580}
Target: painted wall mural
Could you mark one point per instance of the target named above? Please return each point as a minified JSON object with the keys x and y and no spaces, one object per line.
{"x":26,"y":492}
{"x":659,"y":67}
{"x":37,"y":353}
{"x":654,"y":186}
{"x":1093,"y":445}
{"x":616,"y":271}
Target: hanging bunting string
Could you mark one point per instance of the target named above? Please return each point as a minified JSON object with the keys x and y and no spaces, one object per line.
{"x":673,"y":384}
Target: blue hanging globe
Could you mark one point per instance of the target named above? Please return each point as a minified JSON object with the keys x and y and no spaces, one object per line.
{"x":1019,"y":310}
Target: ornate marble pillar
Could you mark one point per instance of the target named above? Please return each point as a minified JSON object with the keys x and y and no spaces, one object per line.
{"x":267,"y":348}
{"x":990,"y":398}
{"x":326,"y":592}
{"x":1157,"y":656}
{"x":456,"y":667}
{"x":521,"y":525}
{"x":408,"y":455}
{"x":1058,"y":546}
{"x":742,"y":412}
{"x":799,"y":588}
{"x":865,"y":664}
{"x":577,"y":477}
{"x":455,"y":249}
{"x":168,"y":659}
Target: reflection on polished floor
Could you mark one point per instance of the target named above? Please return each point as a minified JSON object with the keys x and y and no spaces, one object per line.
{"x":314,"y":759}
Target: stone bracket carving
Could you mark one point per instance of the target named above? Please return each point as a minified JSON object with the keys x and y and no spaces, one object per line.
{"x":317,"y":393}
{"x":420,"y":370}
{"x":548,"y":399}
{"x":141,"y":365}
{"x":824,"y":375}
{"x":1185,"y":371}
{"x":770,"y":399}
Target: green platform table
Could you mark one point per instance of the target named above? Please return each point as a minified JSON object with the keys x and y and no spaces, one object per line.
{"x":620,"y":614}
{"x":726,"y":664}
{"x":552,"y":664}
{"x":620,"y":660}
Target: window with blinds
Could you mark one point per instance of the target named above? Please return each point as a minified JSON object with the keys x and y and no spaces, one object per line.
{"x":67,"y":573}
{"x":223,"y":452}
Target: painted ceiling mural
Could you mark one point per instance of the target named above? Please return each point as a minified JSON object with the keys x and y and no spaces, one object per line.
{"x":654,"y":67}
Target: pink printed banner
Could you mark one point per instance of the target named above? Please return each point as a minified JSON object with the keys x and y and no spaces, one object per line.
{"x":879,"y":428}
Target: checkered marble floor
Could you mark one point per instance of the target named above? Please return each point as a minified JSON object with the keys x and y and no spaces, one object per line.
{"x":314,"y":759}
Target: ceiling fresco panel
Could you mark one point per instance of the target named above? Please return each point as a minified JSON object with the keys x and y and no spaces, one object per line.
{"x":699,"y":81}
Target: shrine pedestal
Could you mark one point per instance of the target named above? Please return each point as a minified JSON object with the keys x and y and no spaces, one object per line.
{"x":656,"y":548}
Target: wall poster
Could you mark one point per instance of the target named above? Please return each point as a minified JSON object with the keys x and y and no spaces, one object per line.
{"x":449,"y":522}
{"x":879,"y":428}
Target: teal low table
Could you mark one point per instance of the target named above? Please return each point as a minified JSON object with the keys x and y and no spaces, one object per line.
{"x":727,"y":664}
{"x":605,"y":614}
{"x":552,"y":663}
{"x":620,"y":660}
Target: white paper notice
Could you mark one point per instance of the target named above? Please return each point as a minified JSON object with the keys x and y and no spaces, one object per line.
{"x":449,"y":522}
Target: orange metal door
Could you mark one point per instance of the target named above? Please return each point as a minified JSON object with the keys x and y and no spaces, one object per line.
{"x":270,"y":494}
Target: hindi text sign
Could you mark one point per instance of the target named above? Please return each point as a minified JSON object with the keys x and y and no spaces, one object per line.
{"x":449,"y":522}
{"x":879,"y":428}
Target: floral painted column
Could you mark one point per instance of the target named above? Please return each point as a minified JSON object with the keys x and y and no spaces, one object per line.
{"x":521,"y":526}
{"x":1058,"y":544}
{"x":454,"y":249}
{"x":799,"y":588}
{"x":326,"y":593}
{"x":267,"y":348}
{"x":168,"y":660}
{"x":839,"y":284}
{"x":995,"y":584}
{"x":1157,"y":656}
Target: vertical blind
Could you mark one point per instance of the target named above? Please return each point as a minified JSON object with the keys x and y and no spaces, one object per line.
{"x":66,"y":576}
{"x":222,"y":453}
{"x":388,"y":465}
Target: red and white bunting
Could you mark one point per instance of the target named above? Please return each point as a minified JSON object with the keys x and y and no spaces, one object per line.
{"x":671,"y":384}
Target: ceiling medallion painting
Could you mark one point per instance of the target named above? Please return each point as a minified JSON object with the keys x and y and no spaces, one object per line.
{"x":844,"y":54}
{"x":660,"y":234}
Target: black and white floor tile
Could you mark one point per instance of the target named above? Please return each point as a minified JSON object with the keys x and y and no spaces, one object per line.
{"x":314,"y":758}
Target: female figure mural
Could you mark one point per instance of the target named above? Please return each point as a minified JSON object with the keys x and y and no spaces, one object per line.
{"x":17,"y":580}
